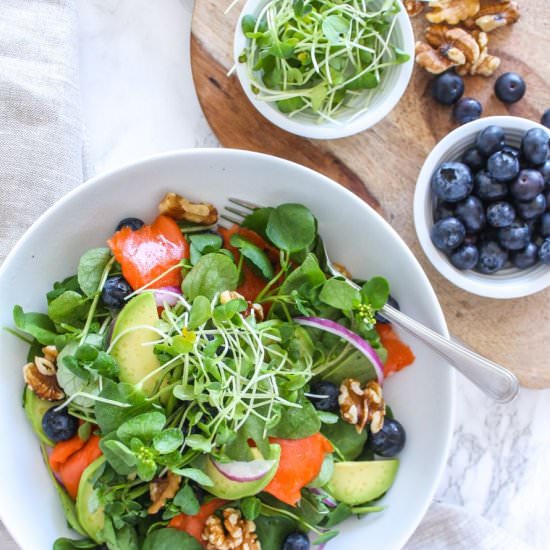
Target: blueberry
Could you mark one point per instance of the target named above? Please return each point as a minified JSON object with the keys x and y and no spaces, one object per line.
{"x":443,"y":210}
{"x":528,"y":257}
{"x":465,"y":257}
{"x":296,"y":541}
{"x":491,"y":257}
{"x":544,"y":251}
{"x":544,"y":225}
{"x":545,"y":119}
{"x":473,"y":159}
{"x":486,"y":188}
{"x":330,"y":392}
{"x":133,"y":223}
{"x":500,"y":214}
{"x":448,"y":234}
{"x":389,"y":441}
{"x":391,"y":302}
{"x":490,"y":140}
{"x":544,"y":169}
{"x":527,"y":185}
{"x":114,"y":292}
{"x":514,"y":237}
{"x":447,"y":88}
{"x":513,"y":150}
{"x":503,"y":166}
{"x":466,"y":110}
{"x":452,"y":181}
{"x":59,"y":425}
{"x":471,"y":213}
{"x":534,"y":146}
{"x":533,"y":208}
{"x":510,"y":87}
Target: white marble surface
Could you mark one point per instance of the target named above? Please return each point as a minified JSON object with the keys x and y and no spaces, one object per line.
{"x":138,"y":99}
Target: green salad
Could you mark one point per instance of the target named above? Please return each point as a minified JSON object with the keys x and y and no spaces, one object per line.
{"x":193,"y":386}
{"x":321,"y":57}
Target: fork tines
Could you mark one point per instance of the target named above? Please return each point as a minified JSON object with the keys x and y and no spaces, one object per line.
{"x":236,"y":215}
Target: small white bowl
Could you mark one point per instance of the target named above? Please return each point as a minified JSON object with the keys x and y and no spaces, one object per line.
{"x":508,"y":283}
{"x":385,"y":97}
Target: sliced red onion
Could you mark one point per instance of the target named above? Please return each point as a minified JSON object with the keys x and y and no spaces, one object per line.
{"x":244,"y":471}
{"x":167,"y":295}
{"x":354,"y":339}
{"x":327,"y":499}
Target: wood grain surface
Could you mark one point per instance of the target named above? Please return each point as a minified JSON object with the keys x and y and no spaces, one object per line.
{"x":381,"y":164}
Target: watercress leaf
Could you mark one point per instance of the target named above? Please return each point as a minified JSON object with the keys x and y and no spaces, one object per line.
{"x":85,"y":431}
{"x":68,"y":308}
{"x":110,"y":416}
{"x":120,"y":457}
{"x":143,"y":426}
{"x":309,"y":273}
{"x":282,"y":49}
{"x":337,"y":515}
{"x":345,"y":438}
{"x":90,"y":269}
{"x":69,"y":544}
{"x":183,"y":393}
{"x":146,"y":469}
{"x":198,"y":476}
{"x":198,"y":443}
{"x":38,"y":325}
{"x":70,"y":362}
{"x":376,"y":292}
{"x":200,"y":312}
{"x":168,"y":538}
{"x":339,"y":294}
{"x":186,"y":501}
{"x":254,"y":428}
{"x":291,"y":227}
{"x":257,"y":221}
{"x":327,"y":417}
{"x":248,"y":23}
{"x":400,"y":55}
{"x":213,"y":273}
{"x":351,"y":365}
{"x":290,"y":105}
{"x":254,"y":254}
{"x":251,"y":507}
{"x":225,"y":312}
{"x":168,"y":441}
{"x":297,"y":423}
{"x":325,"y":474}
{"x":206,"y":242}
{"x":273,"y":530}
{"x":301,"y":8}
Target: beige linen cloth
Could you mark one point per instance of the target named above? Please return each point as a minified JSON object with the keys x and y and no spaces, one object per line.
{"x":41,"y":160}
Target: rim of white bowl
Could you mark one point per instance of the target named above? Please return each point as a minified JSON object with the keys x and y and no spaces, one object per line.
{"x":442,"y":325}
{"x":507,"y":284}
{"x":401,"y":73}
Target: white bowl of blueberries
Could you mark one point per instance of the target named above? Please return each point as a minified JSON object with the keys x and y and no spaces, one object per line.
{"x":482,"y":207}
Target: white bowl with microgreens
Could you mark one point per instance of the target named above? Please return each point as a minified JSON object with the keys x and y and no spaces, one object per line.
{"x":324,"y":71}
{"x":421,"y":396}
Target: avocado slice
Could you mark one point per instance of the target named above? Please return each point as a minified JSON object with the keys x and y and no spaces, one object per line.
{"x":35,"y":409}
{"x":355,"y":483}
{"x":135,"y":359}
{"x":88,"y":508}
{"x":233,"y":490}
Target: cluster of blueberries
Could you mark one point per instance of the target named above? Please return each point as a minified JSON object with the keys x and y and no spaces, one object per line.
{"x":492,"y":206}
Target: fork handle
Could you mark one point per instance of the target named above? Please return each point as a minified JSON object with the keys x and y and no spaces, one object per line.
{"x":493,"y":379}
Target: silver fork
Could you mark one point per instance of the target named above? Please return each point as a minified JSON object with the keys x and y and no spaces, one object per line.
{"x":493,"y":379}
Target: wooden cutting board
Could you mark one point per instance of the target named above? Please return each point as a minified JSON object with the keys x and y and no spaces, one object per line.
{"x":381,"y":164}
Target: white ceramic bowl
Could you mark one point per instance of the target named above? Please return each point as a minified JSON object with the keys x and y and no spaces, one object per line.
{"x":421,"y":396}
{"x":508,"y":283}
{"x":385,"y":97}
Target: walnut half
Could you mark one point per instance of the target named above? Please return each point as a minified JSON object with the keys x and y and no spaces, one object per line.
{"x":358,"y":406}
{"x":40,"y":375}
{"x":179,"y":208}
{"x":452,"y":11}
{"x":161,"y":490}
{"x":234,"y":533}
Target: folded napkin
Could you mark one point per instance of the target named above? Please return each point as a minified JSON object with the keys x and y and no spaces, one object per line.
{"x":41,"y":159}
{"x":40,"y":127}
